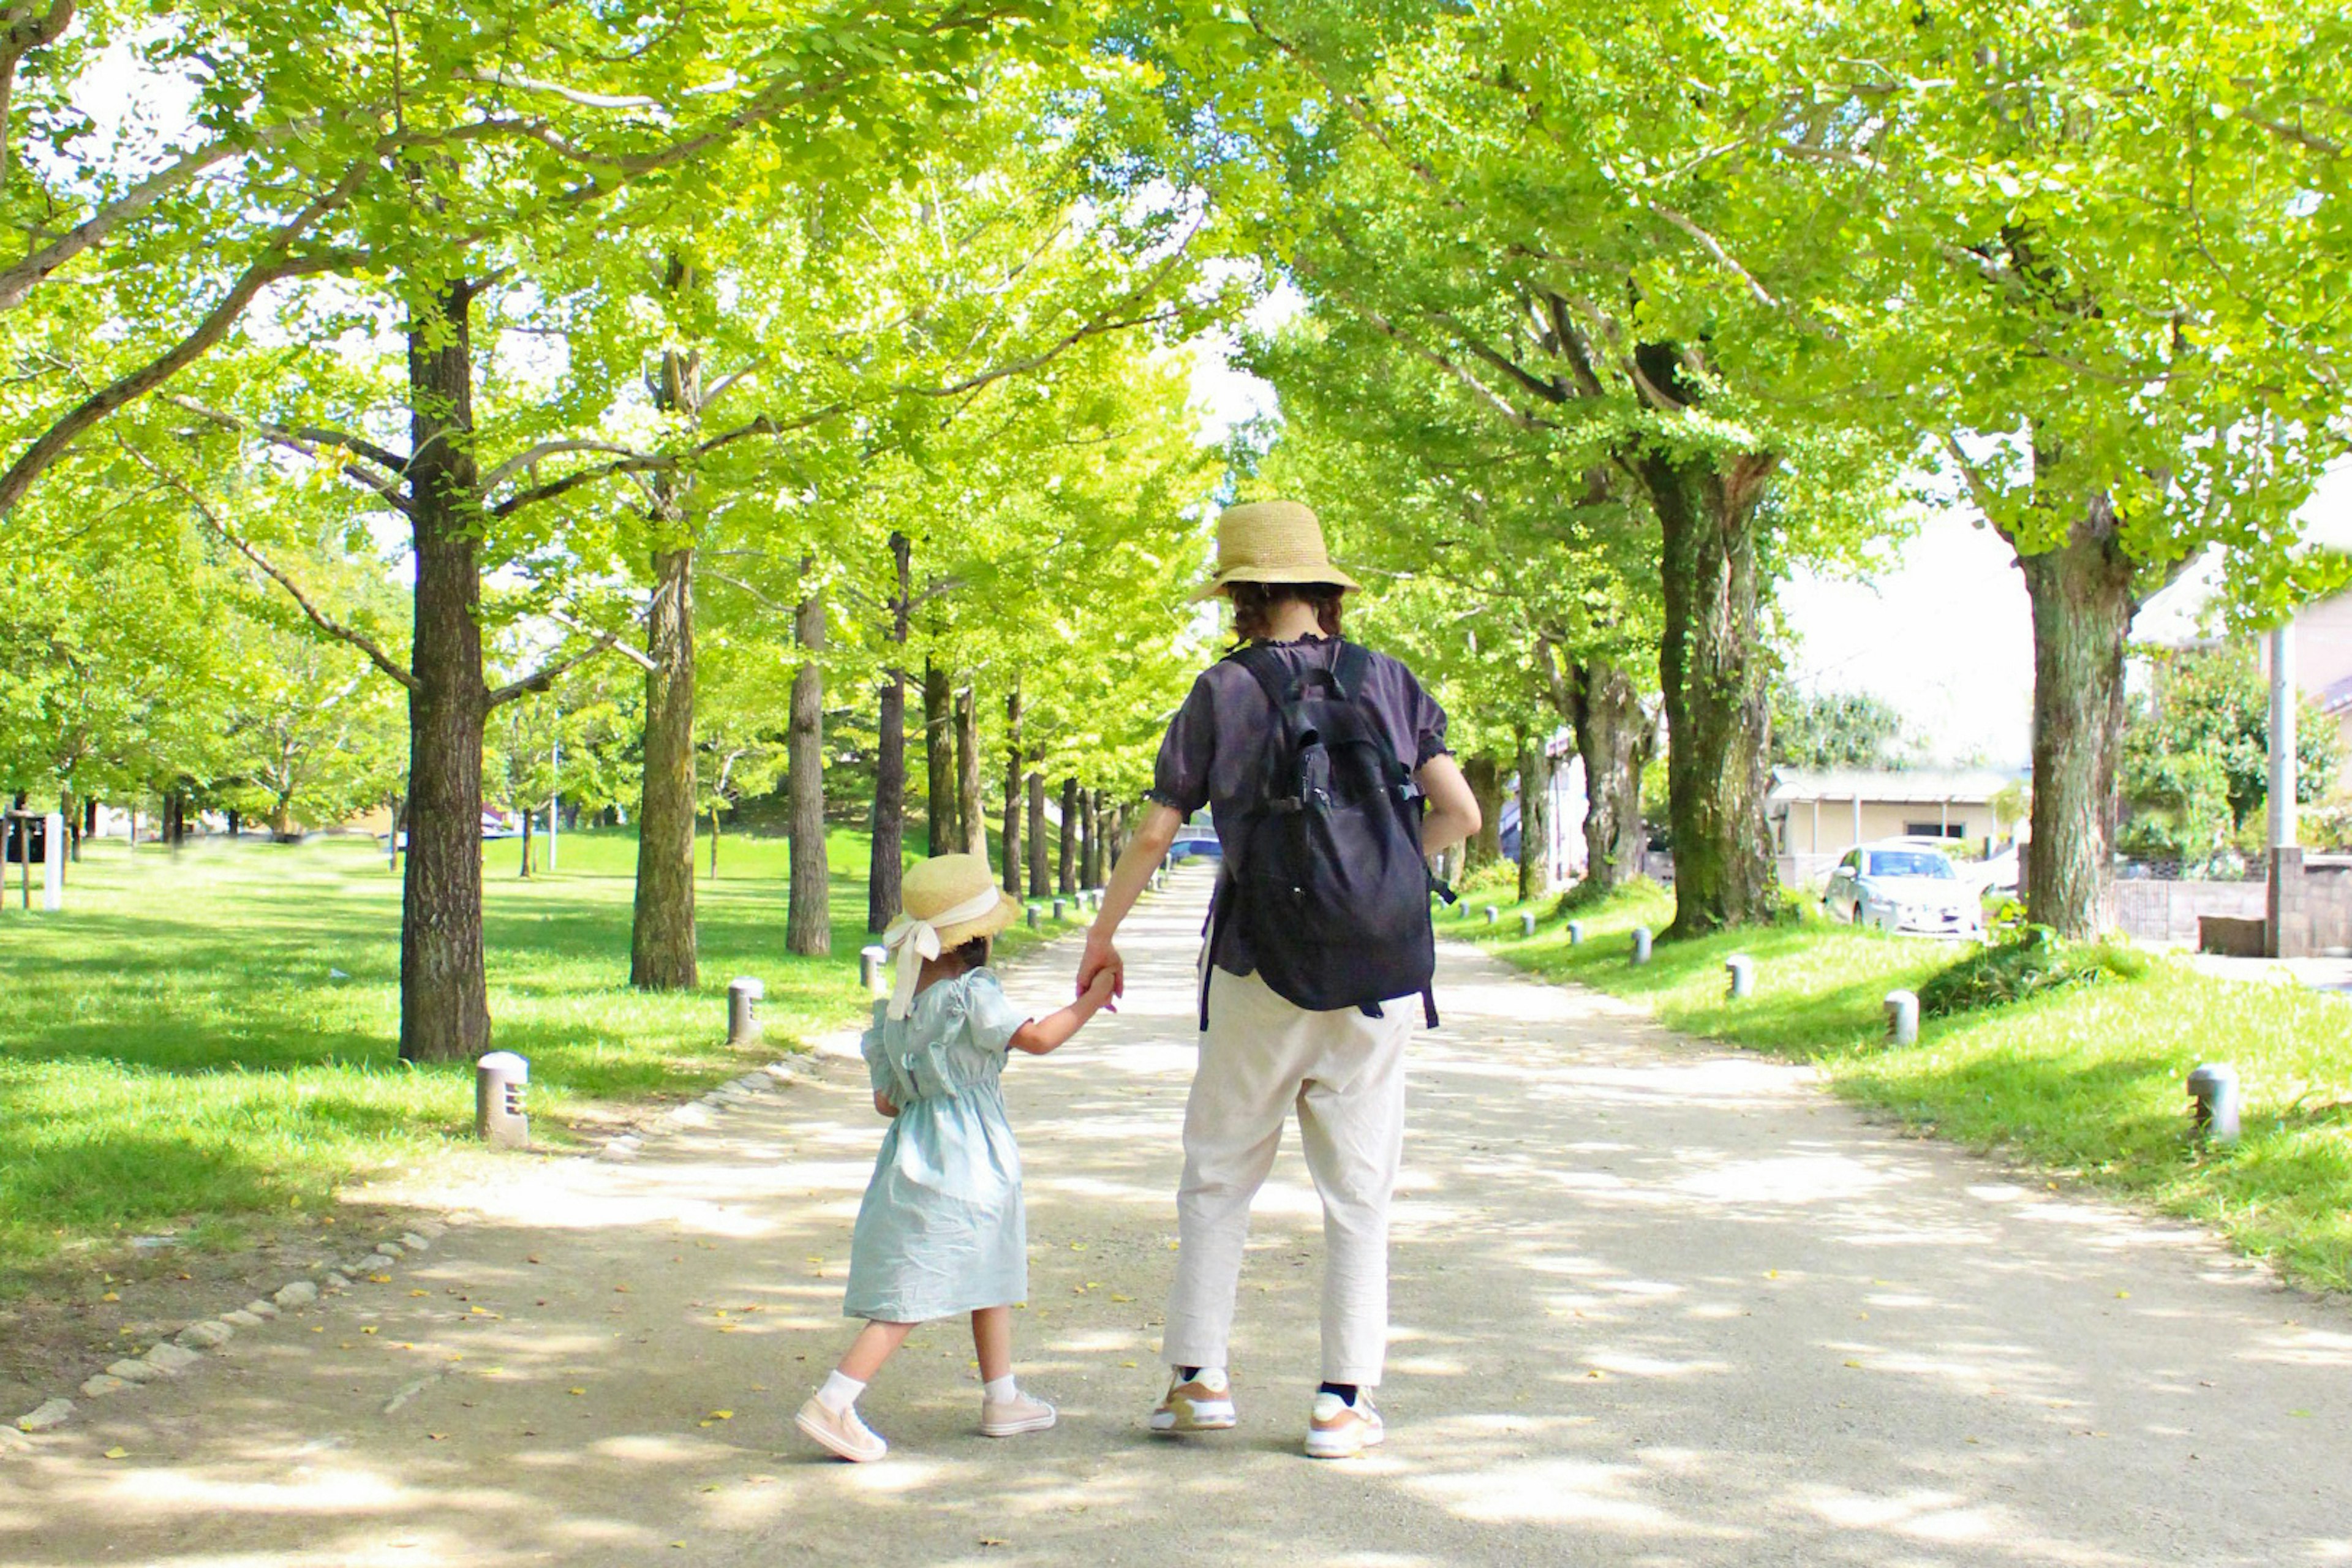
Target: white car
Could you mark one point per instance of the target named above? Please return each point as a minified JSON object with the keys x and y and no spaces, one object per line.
{"x":1904,"y":885}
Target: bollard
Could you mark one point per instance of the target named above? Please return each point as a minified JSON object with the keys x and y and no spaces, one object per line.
{"x":1061,"y":910}
{"x":2213,"y":1101}
{"x":1526,"y":922}
{"x":1640,"y":944}
{"x":1576,"y":933}
{"x":1902,"y":1018}
{"x":1742,"y":971}
{"x":743,"y":995}
{"x":1034,"y":922}
{"x":870,"y":960}
{"x":1491,"y":913}
{"x":500,"y":1080}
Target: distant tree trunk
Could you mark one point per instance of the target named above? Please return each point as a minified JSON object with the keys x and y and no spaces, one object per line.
{"x":1712,"y":669}
{"x":2084,"y":595}
{"x":1065,"y":864}
{"x":971,"y":815}
{"x":1088,"y":839}
{"x":1011,"y":840}
{"x":1484,"y":773}
{"x":445,"y":1014}
{"x":944,"y":832}
{"x":887,"y":863}
{"x":808,"y":923}
{"x":89,"y":828}
{"x":235,"y":824}
{"x":714,"y":841}
{"x":1041,"y":882}
{"x":525,"y":873}
{"x":1535,"y":817}
{"x":1614,"y":737}
{"x":662,"y":948}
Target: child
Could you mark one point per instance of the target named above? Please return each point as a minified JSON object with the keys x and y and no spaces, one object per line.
{"x":941,"y":1231}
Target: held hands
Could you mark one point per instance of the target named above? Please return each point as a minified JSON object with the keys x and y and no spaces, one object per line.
{"x":1101,"y":994}
{"x":1101,"y":962}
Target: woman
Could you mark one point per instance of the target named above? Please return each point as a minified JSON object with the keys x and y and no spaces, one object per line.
{"x":1262,"y":1054}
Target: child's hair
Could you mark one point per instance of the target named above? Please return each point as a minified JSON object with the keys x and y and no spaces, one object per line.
{"x":1255,"y":603}
{"x":970,"y":955}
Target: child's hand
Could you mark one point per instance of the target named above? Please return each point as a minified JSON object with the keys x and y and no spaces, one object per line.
{"x":882,"y":1105}
{"x":1103,"y":991}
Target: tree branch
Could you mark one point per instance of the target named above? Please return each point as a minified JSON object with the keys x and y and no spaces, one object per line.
{"x":318,"y":617}
{"x":1714,"y":248}
{"x":307,"y":439}
{"x":634,"y":655}
{"x":548,"y":675}
{"x":529,"y":455}
{"x":657,"y":462}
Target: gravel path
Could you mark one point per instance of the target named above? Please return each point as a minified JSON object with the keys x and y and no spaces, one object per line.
{"x":1655,"y":1303}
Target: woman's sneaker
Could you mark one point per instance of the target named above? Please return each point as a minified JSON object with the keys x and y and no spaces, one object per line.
{"x":1338,"y":1430}
{"x":1202,"y":1403}
{"x":1012,"y":1417}
{"x":840,"y":1431}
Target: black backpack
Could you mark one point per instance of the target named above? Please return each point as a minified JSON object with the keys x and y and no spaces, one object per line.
{"x":1327,"y":877}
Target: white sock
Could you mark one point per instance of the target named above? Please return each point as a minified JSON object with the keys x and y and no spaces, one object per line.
{"x":1000,"y":1390}
{"x":839,"y":1393}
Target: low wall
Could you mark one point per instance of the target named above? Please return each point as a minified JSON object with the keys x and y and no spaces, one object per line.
{"x":2310,"y":904}
{"x":2155,"y":910}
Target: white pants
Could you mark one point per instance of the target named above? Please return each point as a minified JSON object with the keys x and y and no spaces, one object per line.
{"x":1344,"y":1073}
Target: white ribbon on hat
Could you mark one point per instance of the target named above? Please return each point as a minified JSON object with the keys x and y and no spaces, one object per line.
{"x":913,"y":940}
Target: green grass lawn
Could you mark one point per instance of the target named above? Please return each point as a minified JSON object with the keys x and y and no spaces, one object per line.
{"x":2089,"y":1082}
{"x":179,"y":1050}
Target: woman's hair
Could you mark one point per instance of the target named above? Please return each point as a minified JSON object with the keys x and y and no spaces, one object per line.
{"x":970,"y":955}
{"x":1255,"y":603}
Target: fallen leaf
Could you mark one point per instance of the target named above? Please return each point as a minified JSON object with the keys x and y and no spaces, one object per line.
{"x":369,"y":1330}
{"x":437,"y":1437}
{"x":420,"y":1292}
{"x":2122,"y":1295}
{"x":722,"y":1415}
{"x":1853,"y":1363}
{"x":575,"y":1391}
{"x":117,"y":1453}
{"x":109,"y":1296}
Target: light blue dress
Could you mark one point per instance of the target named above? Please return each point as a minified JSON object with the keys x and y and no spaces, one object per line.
{"x":941,"y":1230}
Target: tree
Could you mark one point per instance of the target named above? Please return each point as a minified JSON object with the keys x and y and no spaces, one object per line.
{"x":1833,"y":730}
{"x":2194,"y":772}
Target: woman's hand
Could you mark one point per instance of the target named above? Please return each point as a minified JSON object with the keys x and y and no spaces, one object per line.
{"x":882,"y":1105}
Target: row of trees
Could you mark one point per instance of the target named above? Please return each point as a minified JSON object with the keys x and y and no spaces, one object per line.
{"x":1618,"y":311}
{"x":771,"y":348}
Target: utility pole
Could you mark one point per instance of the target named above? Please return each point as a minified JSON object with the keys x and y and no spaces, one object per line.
{"x":2282,"y":769}
{"x":554,"y":793}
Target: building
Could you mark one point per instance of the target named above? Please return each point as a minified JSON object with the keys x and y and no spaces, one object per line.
{"x":1817,"y":816}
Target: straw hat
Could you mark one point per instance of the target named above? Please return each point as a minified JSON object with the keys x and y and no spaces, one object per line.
{"x":944,"y":902}
{"x":1271,"y":542}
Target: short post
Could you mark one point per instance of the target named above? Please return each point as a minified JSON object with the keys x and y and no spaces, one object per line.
{"x":1061,"y":910}
{"x":1576,"y":933}
{"x":743,"y":995}
{"x":1742,"y":969}
{"x":1640,"y":944}
{"x":1902,"y":1018}
{"x":869,"y":968}
{"x":1526,"y":922}
{"x":1034,"y":922}
{"x":2213,"y":1101}
{"x":53,"y":862}
{"x":501,"y":1079}
{"x":1491,"y":913}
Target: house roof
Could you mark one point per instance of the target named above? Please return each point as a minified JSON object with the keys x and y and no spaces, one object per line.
{"x":1909,"y":787}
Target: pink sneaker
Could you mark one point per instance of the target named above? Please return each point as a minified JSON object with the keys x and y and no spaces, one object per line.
{"x":842,"y":1434}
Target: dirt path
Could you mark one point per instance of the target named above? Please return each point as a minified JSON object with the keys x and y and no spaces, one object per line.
{"x":1656,"y":1304}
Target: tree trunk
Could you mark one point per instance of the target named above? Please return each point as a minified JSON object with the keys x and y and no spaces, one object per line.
{"x":887,"y":863}
{"x":1613,"y":740}
{"x":1089,"y":838}
{"x":714,"y":841}
{"x":1012,"y":838}
{"x":445,"y":1012}
{"x":1041,"y":882}
{"x":970,"y":815}
{"x":662,"y":948}
{"x":89,"y":828}
{"x":2084,"y":595}
{"x":943,"y":833}
{"x":808,"y":923}
{"x":1712,"y":669}
{"x":1535,"y":817}
{"x":525,"y":873}
{"x":1484,"y":775}
{"x":1065,"y":863}
{"x":235,"y":824}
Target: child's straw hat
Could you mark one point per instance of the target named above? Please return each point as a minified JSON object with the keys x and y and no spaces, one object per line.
{"x":944,"y":902}
{"x":1271,"y":542}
